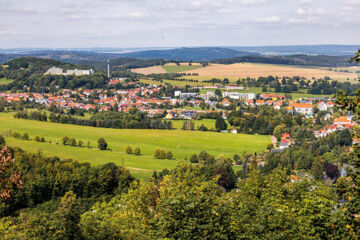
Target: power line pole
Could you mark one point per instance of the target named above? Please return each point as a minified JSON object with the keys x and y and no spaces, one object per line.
{"x":108,"y":68}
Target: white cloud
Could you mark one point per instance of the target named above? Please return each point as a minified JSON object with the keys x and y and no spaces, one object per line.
{"x":306,"y":1}
{"x":271,"y":19}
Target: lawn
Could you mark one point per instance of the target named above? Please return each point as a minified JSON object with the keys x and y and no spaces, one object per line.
{"x":181,"y":143}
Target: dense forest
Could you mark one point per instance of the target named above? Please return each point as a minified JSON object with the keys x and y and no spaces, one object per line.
{"x":301,"y":60}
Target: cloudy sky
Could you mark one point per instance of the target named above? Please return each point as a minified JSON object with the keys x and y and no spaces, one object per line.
{"x":162,"y":23}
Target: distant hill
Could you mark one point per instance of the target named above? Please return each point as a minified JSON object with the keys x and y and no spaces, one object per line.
{"x":302,"y":60}
{"x":330,"y":49}
{"x":189,"y":54}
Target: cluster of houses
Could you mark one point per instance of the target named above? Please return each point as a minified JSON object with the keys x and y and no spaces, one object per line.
{"x":340,"y":123}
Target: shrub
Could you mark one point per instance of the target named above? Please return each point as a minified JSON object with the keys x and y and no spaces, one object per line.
{"x":102,"y":145}
{"x":169,"y":155}
{"x":194,"y":158}
{"x":2,"y":140}
{"x":157,"y":153}
{"x":128,"y":150}
{"x":42,"y":139}
{"x":137,"y":151}
{"x":37,"y":138}
{"x":80,"y":143}
{"x":16,"y":135}
{"x":162,"y":154}
{"x":25,"y":136}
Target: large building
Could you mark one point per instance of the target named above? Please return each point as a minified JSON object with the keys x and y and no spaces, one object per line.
{"x":239,"y":96}
{"x":76,"y":72}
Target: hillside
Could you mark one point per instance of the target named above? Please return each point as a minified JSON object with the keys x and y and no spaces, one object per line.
{"x":29,"y":72}
{"x":189,"y":54}
{"x":302,"y":60}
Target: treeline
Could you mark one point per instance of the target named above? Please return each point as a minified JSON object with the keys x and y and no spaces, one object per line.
{"x":44,"y":179}
{"x":303,"y":60}
{"x":109,"y":119}
{"x":264,"y":120}
{"x":294,"y":84}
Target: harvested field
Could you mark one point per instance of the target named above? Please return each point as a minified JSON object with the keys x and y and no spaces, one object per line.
{"x":148,"y":70}
{"x":254,"y":70}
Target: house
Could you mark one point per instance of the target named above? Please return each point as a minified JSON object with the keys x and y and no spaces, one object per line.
{"x":170,"y":115}
{"x":343,"y":120}
{"x":302,"y":108}
{"x":225,"y":102}
{"x":260,"y":102}
{"x":284,"y":145}
{"x":322,"y":106}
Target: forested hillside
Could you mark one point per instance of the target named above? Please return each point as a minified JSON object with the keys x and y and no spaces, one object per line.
{"x":28,"y":73}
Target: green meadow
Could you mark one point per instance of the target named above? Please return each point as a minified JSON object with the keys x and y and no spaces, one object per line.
{"x":4,"y":81}
{"x":182,"y":143}
{"x":180,"y":68}
{"x":209,"y":123}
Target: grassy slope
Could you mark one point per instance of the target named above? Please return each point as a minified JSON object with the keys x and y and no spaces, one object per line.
{"x":4,"y":81}
{"x":181,"y":143}
{"x":180,"y":68}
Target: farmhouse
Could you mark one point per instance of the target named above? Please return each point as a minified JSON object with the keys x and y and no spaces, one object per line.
{"x":302,"y":108}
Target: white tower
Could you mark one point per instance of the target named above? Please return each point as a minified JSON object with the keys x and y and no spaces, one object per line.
{"x":108,"y":68}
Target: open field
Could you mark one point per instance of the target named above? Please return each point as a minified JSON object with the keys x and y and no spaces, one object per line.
{"x":149,"y":70}
{"x":181,"y":143}
{"x":256,"y":70}
{"x":4,"y":81}
{"x":172,"y":82}
{"x":209,"y":123}
{"x":173,"y":68}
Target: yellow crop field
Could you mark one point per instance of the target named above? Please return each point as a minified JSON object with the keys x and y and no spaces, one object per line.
{"x":149,"y":70}
{"x":254,"y":70}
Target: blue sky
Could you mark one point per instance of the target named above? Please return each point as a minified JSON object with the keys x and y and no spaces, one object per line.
{"x":162,"y":23}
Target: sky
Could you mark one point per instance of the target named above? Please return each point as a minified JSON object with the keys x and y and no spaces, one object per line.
{"x":175,"y":23}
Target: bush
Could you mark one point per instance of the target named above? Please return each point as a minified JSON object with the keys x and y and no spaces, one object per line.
{"x":65,"y":140}
{"x":2,"y":140}
{"x":37,"y":139}
{"x":25,"y":136}
{"x":80,"y":143}
{"x":194,"y":158}
{"x":102,"y":145}
{"x":128,"y":150}
{"x":42,"y":139}
{"x":162,"y":154}
{"x":137,"y":151}
{"x":169,"y":155}
{"x":16,"y":135}
{"x":157,"y":153}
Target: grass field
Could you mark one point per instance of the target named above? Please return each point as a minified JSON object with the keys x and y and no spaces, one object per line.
{"x":181,"y":143}
{"x":4,"y":81}
{"x":180,"y":68}
{"x":256,"y":70}
{"x":209,"y":123}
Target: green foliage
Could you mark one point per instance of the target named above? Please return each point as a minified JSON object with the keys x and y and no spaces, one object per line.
{"x":194,"y":158}
{"x":25,"y":136}
{"x":102,"y":145}
{"x":137,"y":151}
{"x":2,"y":140}
{"x":220,"y":124}
{"x":128,"y":150}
